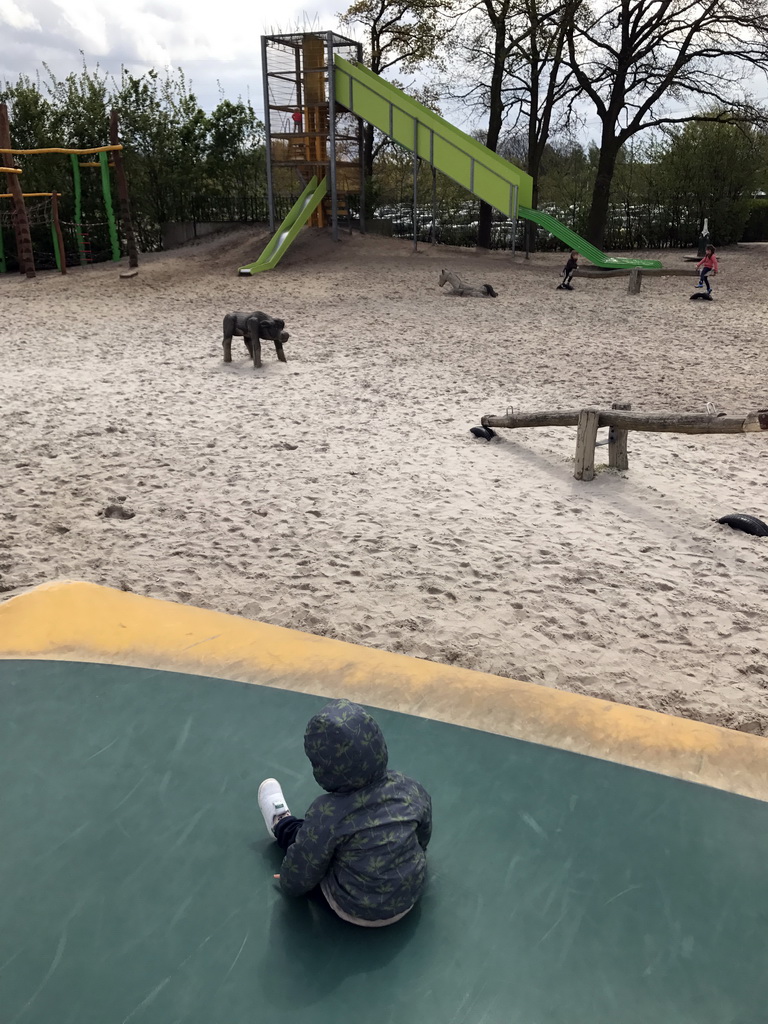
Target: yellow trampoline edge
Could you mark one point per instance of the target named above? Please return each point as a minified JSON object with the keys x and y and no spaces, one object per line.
{"x":78,"y":621}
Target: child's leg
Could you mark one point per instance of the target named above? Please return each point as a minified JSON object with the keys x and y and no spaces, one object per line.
{"x":705,"y":278}
{"x":285,"y":831}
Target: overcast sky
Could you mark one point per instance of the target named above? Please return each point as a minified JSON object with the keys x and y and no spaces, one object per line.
{"x":211,"y":41}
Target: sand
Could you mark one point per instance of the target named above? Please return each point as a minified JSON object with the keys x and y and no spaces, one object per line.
{"x":342,"y":494}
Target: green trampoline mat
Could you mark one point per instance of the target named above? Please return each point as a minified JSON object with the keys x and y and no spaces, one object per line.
{"x":136,"y":873}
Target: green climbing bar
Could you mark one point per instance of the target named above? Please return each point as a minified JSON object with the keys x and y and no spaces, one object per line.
{"x":107,"y":189}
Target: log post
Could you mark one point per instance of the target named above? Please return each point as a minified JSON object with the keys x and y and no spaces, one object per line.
{"x":617,"y":443}
{"x":20,"y":222}
{"x":586,"y":435}
{"x":657,"y":422}
{"x":635,"y":281}
{"x":122,"y":193}
{"x":58,"y":237}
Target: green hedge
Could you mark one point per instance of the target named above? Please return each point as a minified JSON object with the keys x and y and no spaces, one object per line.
{"x":756,"y":228}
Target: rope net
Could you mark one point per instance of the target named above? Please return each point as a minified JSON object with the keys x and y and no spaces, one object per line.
{"x":85,"y":243}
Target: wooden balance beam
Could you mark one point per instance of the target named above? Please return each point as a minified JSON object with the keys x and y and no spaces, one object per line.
{"x":619,"y":419}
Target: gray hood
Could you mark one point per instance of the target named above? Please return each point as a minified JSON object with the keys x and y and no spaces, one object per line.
{"x":346,"y":747}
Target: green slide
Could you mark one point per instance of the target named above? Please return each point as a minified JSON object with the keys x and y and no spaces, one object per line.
{"x":457,"y":155}
{"x":298,"y":216}
{"x":582,"y":246}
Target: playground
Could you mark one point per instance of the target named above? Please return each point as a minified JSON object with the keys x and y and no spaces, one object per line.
{"x":256,"y":531}
{"x":341,"y":492}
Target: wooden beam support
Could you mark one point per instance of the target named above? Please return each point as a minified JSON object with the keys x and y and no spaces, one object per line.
{"x":122,"y":193}
{"x":617,"y":443}
{"x":659,"y":422}
{"x":20,"y":221}
{"x":57,"y":149}
{"x":586,"y":435}
{"x":635,"y":281}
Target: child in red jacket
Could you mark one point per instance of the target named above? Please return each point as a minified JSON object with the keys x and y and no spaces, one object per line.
{"x":706,"y":267}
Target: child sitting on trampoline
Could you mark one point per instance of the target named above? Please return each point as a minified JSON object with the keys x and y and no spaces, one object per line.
{"x":568,"y":269}
{"x":706,"y":267}
{"x":361,"y":847}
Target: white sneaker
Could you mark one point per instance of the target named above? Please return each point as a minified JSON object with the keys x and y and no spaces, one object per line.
{"x":271,"y":803}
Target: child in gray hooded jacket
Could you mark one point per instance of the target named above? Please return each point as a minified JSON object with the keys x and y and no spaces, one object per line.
{"x":363,"y":842}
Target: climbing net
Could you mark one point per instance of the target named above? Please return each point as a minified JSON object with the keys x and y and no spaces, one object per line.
{"x":85,"y":242}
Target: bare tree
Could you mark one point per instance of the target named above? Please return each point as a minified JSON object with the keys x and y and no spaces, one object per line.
{"x":485,"y":50}
{"x":540,"y":80}
{"x":635,"y":58}
{"x":514,"y":54}
{"x":398,"y":33}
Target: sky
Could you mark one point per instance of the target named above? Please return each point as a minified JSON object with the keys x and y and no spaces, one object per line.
{"x":213,"y":42}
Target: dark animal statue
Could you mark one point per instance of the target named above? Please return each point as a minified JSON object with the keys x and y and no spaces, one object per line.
{"x":253,"y":328}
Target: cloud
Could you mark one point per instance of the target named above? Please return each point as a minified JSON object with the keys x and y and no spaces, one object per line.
{"x":211,"y":42}
{"x":11,"y":14}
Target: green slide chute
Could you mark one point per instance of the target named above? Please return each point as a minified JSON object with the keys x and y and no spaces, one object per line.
{"x":297,"y":217}
{"x":585,"y":248}
{"x":468,"y":162}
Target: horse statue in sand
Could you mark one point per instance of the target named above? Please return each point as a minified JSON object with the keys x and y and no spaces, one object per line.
{"x":459,"y":288}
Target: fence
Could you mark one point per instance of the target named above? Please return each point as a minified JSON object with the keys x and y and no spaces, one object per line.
{"x":628,"y":227}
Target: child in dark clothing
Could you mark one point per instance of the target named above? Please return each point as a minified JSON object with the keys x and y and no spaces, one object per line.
{"x":363,"y":843}
{"x":568,"y":269}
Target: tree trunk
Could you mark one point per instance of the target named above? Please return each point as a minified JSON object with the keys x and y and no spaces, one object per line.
{"x":533,"y":166}
{"x":495,"y":115}
{"x":484,"y":223}
{"x":601,"y":193}
{"x":530,"y":226}
{"x":370,"y":199}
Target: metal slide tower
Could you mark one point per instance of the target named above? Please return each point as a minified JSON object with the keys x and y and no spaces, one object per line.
{"x":308,"y":134}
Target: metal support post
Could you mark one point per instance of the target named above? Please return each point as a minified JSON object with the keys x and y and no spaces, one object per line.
{"x":360,"y":148}
{"x":332,"y":136}
{"x":415,"y":183}
{"x":267,"y":134}
{"x":514,"y":217}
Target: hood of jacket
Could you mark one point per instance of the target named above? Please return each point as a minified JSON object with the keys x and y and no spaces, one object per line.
{"x":346,"y":747}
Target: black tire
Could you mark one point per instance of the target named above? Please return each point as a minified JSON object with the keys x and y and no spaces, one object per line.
{"x":485,"y":432}
{"x":749,"y":524}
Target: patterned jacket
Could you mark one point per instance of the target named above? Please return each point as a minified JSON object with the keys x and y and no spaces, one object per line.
{"x":366,"y":837}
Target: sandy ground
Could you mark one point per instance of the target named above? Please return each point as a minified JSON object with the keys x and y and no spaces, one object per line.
{"x":342,"y":493}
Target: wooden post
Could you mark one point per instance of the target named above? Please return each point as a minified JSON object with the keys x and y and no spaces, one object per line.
{"x":586,"y":435}
{"x":58,"y":236}
{"x":122,"y":193}
{"x":657,"y":422}
{"x":635,"y":281}
{"x":21,"y":224}
{"x":617,"y":442}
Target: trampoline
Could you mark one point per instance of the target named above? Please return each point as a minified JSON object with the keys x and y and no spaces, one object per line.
{"x":564,"y":888}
